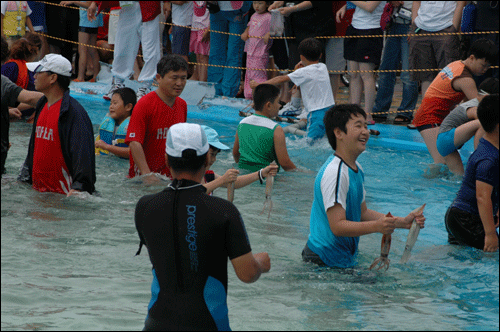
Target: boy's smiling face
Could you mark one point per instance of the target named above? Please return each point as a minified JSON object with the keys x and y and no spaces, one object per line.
{"x":357,"y":134}
{"x":118,"y":111}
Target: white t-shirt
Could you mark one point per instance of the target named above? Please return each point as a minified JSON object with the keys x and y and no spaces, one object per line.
{"x":315,"y":87}
{"x":183,"y":14}
{"x":363,"y":20}
{"x":435,"y":15}
{"x":5,"y":3}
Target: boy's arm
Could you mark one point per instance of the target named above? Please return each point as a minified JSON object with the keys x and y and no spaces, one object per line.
{"x":231,"y":175}
{"x":236,"y":149}
{"x":399,"y":222}
{"x":340,"y":226}
{"x":119,"y":151}
{"x":367,"y":214}
{"x":216,"y":183}
{"x":281,"y":151}
{"x":467,"y":85}
{"x":245,"y":180}
{"x":485,"y":207}
{"x":273,"y":81}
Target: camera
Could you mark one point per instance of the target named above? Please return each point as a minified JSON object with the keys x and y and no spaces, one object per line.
{"x":403,"y":13}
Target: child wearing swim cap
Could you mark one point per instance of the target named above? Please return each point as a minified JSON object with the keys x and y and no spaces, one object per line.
{"x":212,"y":180}
{"x":113,"y":129}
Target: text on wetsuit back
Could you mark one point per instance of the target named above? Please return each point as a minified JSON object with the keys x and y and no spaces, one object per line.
{"x":191,"y":237}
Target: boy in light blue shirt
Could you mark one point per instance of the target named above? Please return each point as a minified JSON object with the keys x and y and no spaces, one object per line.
{"x":339,"y":215}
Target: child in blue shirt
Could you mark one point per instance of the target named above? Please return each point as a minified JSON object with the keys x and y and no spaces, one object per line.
{"x":472,"y":218}
{"x":339,"y":215}
{"x":113,"y":129}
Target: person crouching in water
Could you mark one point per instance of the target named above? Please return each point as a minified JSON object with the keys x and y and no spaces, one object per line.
{"x":472,"y":218}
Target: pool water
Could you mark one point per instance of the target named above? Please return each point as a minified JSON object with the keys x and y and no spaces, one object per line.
{"x":69,"y":264}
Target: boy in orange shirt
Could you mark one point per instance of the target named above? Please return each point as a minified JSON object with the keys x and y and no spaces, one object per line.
{"x":451,"y":85}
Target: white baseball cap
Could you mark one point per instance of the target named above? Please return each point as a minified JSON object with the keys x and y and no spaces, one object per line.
{"x":55,"y":63}
{"x":186,"y":136}
{"x":213,"y":138}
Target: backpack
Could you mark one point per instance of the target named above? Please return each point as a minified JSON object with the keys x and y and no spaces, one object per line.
{"x":386,"y":18}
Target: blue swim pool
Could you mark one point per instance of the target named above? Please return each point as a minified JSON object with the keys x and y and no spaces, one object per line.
{"x":68,"y":263}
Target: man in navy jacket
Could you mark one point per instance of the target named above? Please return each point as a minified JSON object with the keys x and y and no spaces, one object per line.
{"x":61,"y":151}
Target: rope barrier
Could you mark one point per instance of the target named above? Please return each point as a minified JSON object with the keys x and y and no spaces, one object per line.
{"x":279,"y":70}
{"x":260,"y":69}
{"x":220,"y":66}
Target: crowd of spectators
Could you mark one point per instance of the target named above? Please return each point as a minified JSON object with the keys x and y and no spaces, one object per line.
{"x":208,"y":33}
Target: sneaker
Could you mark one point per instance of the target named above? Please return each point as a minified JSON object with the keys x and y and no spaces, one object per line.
{"x":290,"y":110}
{"x":142,"y":91}
{"x":114,"y":87}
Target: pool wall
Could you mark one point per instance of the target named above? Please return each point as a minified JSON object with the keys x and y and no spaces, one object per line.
{"x":204,"y":105}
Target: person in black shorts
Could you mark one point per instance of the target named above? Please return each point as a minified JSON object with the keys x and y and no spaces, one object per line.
{"x":363,"y":53}
{"x":189,"y":236}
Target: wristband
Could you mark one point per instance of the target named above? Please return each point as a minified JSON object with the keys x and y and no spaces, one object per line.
{"x":260,"y":176}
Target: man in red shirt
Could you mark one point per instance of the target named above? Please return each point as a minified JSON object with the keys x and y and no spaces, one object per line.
{"x":154,"y":114}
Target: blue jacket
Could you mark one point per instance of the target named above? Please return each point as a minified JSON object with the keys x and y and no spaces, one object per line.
{"x":77,"y":144}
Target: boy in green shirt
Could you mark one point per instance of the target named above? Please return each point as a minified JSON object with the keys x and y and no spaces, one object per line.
{"x":259,"y":140}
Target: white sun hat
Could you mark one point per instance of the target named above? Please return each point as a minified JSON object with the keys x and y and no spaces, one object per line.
{"x":55,"y":63}
{"x":186,"y":136}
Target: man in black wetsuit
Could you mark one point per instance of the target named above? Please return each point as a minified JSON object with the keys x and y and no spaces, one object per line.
{"x":189,"y":236}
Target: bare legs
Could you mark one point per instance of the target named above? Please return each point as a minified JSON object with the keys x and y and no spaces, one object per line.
{"x":202,"y":68}
{"x":463,"y":133}
{"x":335,"y":83}
{"x":84,"y":51}
{"x":430,"y":137}
{"x":360,"y":82}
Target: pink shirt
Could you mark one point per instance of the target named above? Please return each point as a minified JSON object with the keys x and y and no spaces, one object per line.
{"x":259,"y":24}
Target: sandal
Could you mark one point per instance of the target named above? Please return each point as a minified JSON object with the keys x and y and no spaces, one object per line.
{"x":379,"y":118}
{"x":402,"y":119}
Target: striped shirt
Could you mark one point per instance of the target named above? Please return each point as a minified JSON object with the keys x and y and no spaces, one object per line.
{"x":336,"y":183}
